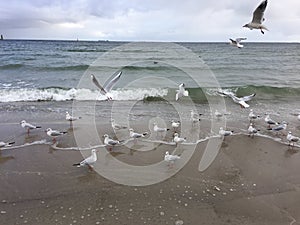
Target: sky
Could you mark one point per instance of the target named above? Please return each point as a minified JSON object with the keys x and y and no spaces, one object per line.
{"x":147,"y":20}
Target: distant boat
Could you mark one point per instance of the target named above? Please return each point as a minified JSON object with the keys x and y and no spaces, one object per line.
{"x":1,"y":38}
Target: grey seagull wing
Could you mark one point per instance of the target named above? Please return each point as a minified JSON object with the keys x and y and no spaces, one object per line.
{"x":112,"y":82}
{"x":95,"y":81}
{"x":258,"y":14}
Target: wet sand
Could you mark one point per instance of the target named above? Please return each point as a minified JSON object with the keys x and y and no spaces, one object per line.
{"x":251,"y":181}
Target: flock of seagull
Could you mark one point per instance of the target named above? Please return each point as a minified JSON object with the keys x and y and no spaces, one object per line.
{"x":256,"y":23}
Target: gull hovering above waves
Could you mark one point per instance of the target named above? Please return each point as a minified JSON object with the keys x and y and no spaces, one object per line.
{"x":170,"y":159}
{"x":181,"y":92}
{"x":107,"y":87}
{"x":6,"y":144}
{"x":258,"y":18}
{"x":291,"y":138}
{"x":29,"y":126}
{"x":239,"y":100}
{"x":54,"y":133}
{"x":110,"y":142}
{"x":237,"y":42}
{"x":89,"y":161}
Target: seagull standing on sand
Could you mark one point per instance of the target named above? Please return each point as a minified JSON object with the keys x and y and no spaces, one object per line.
{"x":89,"y":161}
{"x":252,"y":130}
{"x":224,"y":133}
{"x":108,"y":86}
{"x":116,"y":126}
{"x":218,"y":115}
{"x":6,"y":144}
{"x":195,"y":117}
{"x":291,"y":138}
{"x":135,"y":135}
{"x":237,"y":42}
{"x":110,"y":142}
{"x":71,"y":118}
{"x":178,"y":140}
{"x":158,"y":129}
{"x":181,"y":92}
{"x":54,"y":133}
{"x":269,"y":121}
{"x":29,"y":126}
{"x":258,"y":18}
{"x":252,"y":116}
{"x":281,"y":127}
{"x":170,"y":159}
{"x":175,"y":125}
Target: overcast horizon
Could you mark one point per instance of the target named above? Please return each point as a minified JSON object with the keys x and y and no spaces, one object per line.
{"x":156,"y":20}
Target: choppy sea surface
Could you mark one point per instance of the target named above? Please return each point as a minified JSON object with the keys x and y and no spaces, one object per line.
{"x":44,"y":77}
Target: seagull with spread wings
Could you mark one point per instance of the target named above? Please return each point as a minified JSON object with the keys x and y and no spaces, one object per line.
{"x":239,"y":100}
{"x":258,"y":18}
{"x":108,"y":86}
{"x":237,"y":42}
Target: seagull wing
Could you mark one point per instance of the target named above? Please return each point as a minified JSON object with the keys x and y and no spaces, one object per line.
{"x":248,"y":97}
{"x":244,"y":104}
{"x":112,"y":82}
{"x":95,"y":81}
{"x":258,"y":14}
{"x":233,"y":41}
{"x":238,"y":40}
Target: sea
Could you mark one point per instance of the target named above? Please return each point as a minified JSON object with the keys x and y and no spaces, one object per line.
{"x":42,"y":79}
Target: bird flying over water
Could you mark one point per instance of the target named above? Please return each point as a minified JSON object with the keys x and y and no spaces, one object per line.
{"x":239,"y":100}
{"x":181,"y":92}
{"x":237,"y":42}
{"x":108,"y":86}
{"x":258,"y":18}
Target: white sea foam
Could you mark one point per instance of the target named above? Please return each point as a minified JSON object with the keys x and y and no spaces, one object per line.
{"x":59,"y":94}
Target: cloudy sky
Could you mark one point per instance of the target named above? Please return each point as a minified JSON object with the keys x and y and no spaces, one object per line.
{"x":146,"y":20}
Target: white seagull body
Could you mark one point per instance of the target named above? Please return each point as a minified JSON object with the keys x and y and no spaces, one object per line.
{"x":181,"y":92}
{"x":107,"y":87}
{"x":237,"y":42}
{"x":29,"y":126}
{"x":258,"y":18}
{"x":218,"y":115}
{"x":195,"y":116}
{"x":252,"y":115}
{"x":224,"y":133}
{"x":170,"y":159}
{"x":280,"y":127}
{"x":110,"y":142}
{"x":252,"y":130}
{"x":159,"y":129}
{"x":136,"y":135}
{"x":174,"y":124}
{"x":239,"y":100}
{"x":89,"y":161}
{"x":292,"y":138}
{"x":54,"y":133}
{"x":6,"y":144}
{"x":71,"y":118}
{"x":116,"y":126}
{"x":178,"y":140}
{"x":269,"y":121}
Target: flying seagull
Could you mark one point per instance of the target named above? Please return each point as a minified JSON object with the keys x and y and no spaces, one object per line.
{"x":258,"y":18}
{"x":237,"y":42}
{"x":181,"y":92}
{"x":239,"y":100}
{"x":107,"y":87}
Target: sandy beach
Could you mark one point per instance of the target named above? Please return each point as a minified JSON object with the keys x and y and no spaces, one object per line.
{"x":251,"y":181}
